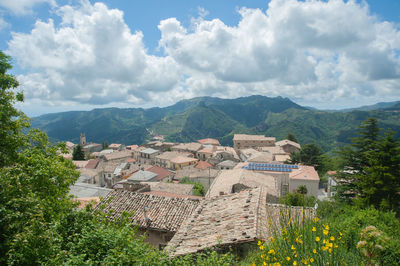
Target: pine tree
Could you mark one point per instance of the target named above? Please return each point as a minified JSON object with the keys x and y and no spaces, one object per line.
{"x":292,"y":137}
{"x":78,"y":154}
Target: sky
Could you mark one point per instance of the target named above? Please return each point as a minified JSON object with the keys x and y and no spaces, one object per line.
{"x":81,"y":54}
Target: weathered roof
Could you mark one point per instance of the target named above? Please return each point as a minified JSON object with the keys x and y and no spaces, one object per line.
{"x":225,"y":220}
{"x":171,"y":195}
{"x":108,"y":167}
{"x":288,"y":142}
{"x":83,"y":190}
{"x":281,"y":157}
{"x":195,"y":173}
{"x":260,"y":157}
{"x":273,"y":150}
{"x":224,"y":182}
{"x":163,"y":213}
{"x":168,"y":155}
{"x":230,"y":220}
{"x":132,"y":147}
{"x":206,"y":150}
{"x":227,"y":163}
{"x":160,"y":171}
{"x":142,"y":176}
{"x":209,"y":141}
{"x":203,"y":165}
{"x":183,"y":159}
{"x":304,"y":172}
{"x":114,"y":145}
{"x":149,"y":151}
{"x":184,"y":189}
{"x":251,"y":137}
{"x":89,"y":172}
{"x":80,"y":164}
{"x":118,"y":155}
{"x":192,"y":146}
{"x":92,"y":163}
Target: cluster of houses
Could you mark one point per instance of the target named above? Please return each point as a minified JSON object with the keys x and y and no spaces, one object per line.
{"x":243,"y":184}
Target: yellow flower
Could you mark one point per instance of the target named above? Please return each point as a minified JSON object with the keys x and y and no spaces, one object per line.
{"x":311,"y":260}
{"x":317,"y":239}
{"x":325,"y":232}
{"x":264,"y":263}
{"x":262,"y":247}
{"x":330,"y":250}
{"x":332,"y":238}
{"x":314,"y":229}
{"x":259,"y":242}
{"x":314,"y":251}
{"x":294,"y":262}
{"x":340,"y":234}
{"x":327,"y":227}
{"x":316,"y":219}
{"x":324,"y":248}
{"x":271,"y":251}
{"x":293,"y":248}
{"x":288,"y":258}
{"x":336,"y":246}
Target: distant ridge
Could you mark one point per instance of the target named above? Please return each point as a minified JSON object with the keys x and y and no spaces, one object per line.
{"x":201,"y":117}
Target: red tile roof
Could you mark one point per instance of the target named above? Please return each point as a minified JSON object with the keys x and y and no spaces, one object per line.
{"x":92,"y":164}
{"x":203,"y":165}
{"x":160,"y":171}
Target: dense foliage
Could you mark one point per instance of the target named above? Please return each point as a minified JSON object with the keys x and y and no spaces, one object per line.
{"x":78,"y":154}
{"x":198,"y":189}
{"x":372,"y":168}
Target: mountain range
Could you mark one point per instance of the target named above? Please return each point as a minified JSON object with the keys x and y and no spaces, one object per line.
{"x":203,"y":117}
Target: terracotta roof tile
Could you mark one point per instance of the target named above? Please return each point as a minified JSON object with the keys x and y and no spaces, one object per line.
{"x":165,"y":213}
{"x":203,"y":165}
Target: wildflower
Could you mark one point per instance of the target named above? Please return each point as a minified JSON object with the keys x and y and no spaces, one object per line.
{"x":294,"y":262}
{"x":317,"y":239}
{"x":264,"y":263}
{"x":330,"y":250}
{"x":316,"y":219}
{"x":314,"y":229}
{"x":324,"y":248}
{"x":259,"y":242}
{"x":314,"y":251}
{"x":336,"y":246}
{"x":293,"y":248}
{"x":327,"y":227}
{"x":332,"y":238}
{"x":262,"y":247}
{"x":325,"y":232}
{"x":311,"y":260}
{"x":288,"y":258}
{"x":271,"y":251}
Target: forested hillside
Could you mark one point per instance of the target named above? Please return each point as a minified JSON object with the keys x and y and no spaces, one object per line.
{"x":201,"y":117}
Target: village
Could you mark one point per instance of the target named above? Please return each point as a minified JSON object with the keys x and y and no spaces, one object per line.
{"x":241,"y":187}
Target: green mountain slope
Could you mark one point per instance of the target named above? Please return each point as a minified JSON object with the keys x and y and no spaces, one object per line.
{"x":202,"y":117}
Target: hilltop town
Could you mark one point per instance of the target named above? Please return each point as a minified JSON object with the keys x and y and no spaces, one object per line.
{"x":157,"y":182}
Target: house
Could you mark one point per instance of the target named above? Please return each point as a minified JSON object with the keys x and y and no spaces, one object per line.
{"x":304,"y":175}
{"x":231,"y":181}
{"x":243,"y":141}
{"x":191,"y":147}
{"x":205,"y":177}
{"x":182,"y":189}
{"x":289,"y":146}
{"x":203,"y":165}
{"x":84,"y":190}
{"x":157,"y":217}
{"x":222,"y":154}
{"x":159,"y":145}
{"x":89,"y":176}
{"x":209,"y":141}
{"x":226,"y":165}
{"x":92,"y":147}
{"x":80,"y":164}
{"x":281,"y":158}
{"x":111,"y":172}
{"x":205,"y":153}
{"x":261,"y":157}
{"x":116,"y":146}
{"x":164,"y":159}
{"x":132,"y":147}
{"x":120,"y":156}
{"x":181,"y":162}
{"x":162,"y":173}
{"x":245,"y":154}
{"x":92,"y":164}
{"x":142,"y":176}
{"x":148,"y":156}
{"x":231,"y":221}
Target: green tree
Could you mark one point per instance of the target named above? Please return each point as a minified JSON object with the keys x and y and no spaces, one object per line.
{"x":309,"y":154}
{"x":12,"y":121}
{"x":292,"y":137}
{"x":302,"y":190}
{"x":78,"y":154}
{"x":372,"y":168}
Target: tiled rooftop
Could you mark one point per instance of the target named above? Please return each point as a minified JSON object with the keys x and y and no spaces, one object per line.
{"x":209,"y":141}
{"x":251,"y":137}
{"x":117,"y":155}
{"x":286,"y":142}
{"x":163,"y":213}
{"x":304,"y":172}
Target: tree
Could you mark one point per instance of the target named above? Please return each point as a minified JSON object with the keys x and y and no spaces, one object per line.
{"x":104,"y":145}
{"x":292,"y":137}
{"x":12,"y":121}
{"x":309,"y":154}
{"x":302,"y":190}
{"x":78,"y":154}
{"x":372,"y":168}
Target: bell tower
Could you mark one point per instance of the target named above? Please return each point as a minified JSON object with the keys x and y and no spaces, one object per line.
{"x":83,"y":139}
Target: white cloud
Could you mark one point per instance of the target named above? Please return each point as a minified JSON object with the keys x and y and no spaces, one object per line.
{"x":91,"y":57}
{"x":312,"y":51}
{"x":3,"y":23}
{"x":23,"y":7}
